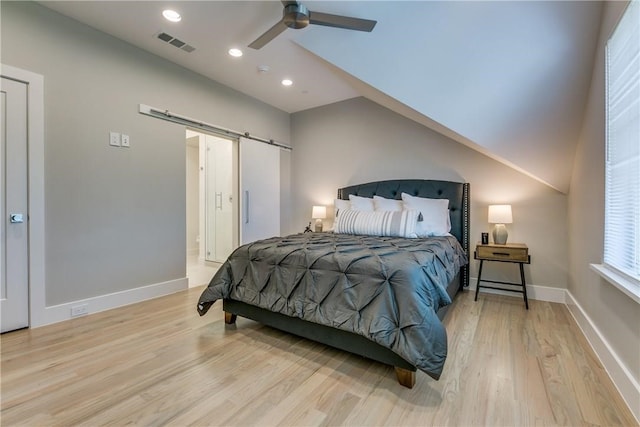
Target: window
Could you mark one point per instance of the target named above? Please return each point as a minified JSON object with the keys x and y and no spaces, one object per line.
{"x":622,"y":167}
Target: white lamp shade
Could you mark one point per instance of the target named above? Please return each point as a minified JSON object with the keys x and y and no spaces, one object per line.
{"x":500,"y":214}
{"x":319,"y":212}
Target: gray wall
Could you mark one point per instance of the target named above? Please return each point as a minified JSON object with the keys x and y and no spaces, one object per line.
{"x":115,"y":217}
{"x":614,"y":314}
{"x":357,"y":141}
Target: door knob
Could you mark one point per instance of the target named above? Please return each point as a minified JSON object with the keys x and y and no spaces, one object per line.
{"x":16,"y":218}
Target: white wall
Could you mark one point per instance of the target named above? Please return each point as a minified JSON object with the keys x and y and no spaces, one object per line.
{"x":614,"y":314}
{"x":115,"y":217}
{"x":358,"y":141}
{"x":495,"y":72}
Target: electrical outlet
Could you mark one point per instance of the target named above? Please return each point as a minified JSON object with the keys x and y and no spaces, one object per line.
{"x":114,"y":139}
{"x":79,"y":310}
{"x":124,"y":139}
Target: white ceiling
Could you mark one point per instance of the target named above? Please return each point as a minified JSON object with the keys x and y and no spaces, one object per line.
{"x":213,"y":27}
{"x":508,"y":78}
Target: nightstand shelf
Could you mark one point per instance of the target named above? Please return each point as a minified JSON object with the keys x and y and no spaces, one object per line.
{"x":511,"y":252}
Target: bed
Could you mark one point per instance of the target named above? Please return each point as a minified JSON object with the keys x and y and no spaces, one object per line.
{"x":379,"y":297}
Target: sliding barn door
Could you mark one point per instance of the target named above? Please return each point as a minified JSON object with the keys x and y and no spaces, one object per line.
{"x":259,"y":190}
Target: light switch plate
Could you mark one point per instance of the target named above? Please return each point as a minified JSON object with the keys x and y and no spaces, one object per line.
{"x":124,"y":139}
{"x":114,"y":139}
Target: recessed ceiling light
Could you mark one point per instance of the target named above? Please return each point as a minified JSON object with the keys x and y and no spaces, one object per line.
{"x":287,"y":82}
{"x":235,"y":52}
{"x":171,"y":15}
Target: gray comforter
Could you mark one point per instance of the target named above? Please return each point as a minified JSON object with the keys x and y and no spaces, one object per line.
{"x":384,"y":288}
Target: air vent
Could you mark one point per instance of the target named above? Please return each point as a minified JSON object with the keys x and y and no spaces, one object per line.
{"x":177,"y":43}
{"x":168,"y":38}
{"x":165,"y":37}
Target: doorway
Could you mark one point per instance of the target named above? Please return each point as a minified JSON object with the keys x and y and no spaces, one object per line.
{"x":210,"y":204}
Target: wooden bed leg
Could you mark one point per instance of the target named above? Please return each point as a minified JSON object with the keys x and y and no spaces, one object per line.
{"x":229,"y":318}
{"x":405,"y":377}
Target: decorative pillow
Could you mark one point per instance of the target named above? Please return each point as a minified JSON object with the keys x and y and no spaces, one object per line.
{"x":434,"y":215}
{"x":382,"y":204}
{"x":340,"y":205}
{"x":361,"y":203}
{"x":380,"y":223}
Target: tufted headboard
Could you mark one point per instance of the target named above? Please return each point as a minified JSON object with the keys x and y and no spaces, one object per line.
{"x":456,"y":192}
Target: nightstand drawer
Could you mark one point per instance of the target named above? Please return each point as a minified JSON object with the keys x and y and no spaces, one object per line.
{"x":503,"y":253}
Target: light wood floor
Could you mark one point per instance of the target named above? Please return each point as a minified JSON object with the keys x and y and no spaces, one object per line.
{"x":159,"y":363}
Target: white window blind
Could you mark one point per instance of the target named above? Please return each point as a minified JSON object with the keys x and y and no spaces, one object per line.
{"x":622,"y":169}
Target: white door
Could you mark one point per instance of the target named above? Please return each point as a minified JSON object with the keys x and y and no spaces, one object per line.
{"x":14,"y":249}
{"x":259,"y":190}
{"x":219,"y":198}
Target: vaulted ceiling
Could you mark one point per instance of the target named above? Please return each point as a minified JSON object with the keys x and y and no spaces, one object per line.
{"x":507,"y":78}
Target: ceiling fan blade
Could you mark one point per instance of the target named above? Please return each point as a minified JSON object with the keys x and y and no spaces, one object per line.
{"x":339,"y":21}
{"x":286,"y":3}
{"x":269,"y":35}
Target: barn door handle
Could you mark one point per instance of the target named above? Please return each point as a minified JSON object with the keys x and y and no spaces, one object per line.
{"x":246,"y":206}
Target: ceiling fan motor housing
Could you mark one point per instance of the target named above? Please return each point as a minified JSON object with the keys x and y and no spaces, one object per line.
{"x":295,"y":16}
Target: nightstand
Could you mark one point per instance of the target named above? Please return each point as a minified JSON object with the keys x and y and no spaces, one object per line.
{"x":517,"y":253}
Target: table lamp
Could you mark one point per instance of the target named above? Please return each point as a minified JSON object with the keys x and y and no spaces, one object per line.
{"x":319,"y":213}
{"x":500,"y":215}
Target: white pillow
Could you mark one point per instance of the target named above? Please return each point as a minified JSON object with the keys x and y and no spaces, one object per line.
{"x":340,"y":205}
{"x":361,"y":203}
{"x":435,"y":215}
{"x":382,"y":204}
{"x":380,"y":223}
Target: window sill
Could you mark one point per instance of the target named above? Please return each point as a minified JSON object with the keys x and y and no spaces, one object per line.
{"x":628,"y":286}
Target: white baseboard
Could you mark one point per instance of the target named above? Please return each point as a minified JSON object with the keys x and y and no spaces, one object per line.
{"x":61,"y":312}
{"x":540,"y":293}
{"x":619,"y":374}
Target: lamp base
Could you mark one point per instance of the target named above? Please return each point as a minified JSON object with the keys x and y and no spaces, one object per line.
{"x":500,"y":234}
{"x":318,"y":225}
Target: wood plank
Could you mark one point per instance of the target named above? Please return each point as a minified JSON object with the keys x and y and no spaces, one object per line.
{"x":159,"y":363}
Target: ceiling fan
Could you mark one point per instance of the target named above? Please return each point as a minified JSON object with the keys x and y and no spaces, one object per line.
{"x":296,"y":15}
